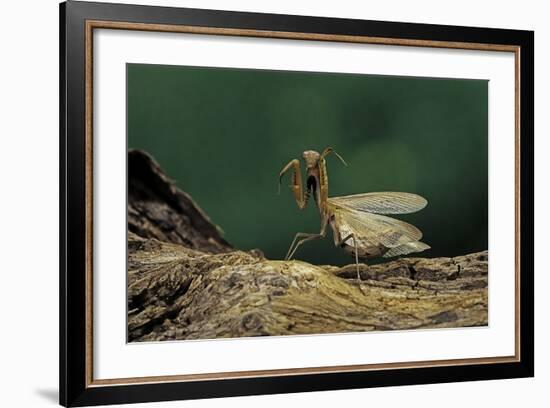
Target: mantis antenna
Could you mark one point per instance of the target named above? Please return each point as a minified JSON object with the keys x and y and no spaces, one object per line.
{"x":329,"y":150}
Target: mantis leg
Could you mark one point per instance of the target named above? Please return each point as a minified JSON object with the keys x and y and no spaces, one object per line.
{"x":297,"y":186}
{"x":343,"y":241}
{"x":302,"y":237}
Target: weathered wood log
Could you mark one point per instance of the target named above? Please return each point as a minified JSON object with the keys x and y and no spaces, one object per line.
{"x":185,"y":281}
{"x":157,"y":209}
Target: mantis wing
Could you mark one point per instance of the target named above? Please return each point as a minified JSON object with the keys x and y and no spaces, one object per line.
{"x":409,"y":248}
{"x":382,"y":203}
{"x":372,"y":230}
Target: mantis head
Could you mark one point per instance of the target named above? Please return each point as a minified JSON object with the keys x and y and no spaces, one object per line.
{"x":312,"y":158}
{"x":312,"y":161}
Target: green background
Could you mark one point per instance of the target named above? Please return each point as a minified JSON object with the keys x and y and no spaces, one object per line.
{"x":224,"y":134}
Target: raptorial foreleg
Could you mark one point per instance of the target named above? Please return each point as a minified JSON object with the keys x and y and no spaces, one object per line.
{"x":297,"y":185}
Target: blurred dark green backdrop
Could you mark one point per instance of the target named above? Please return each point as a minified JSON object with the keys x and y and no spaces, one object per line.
{"x":224,"y":135}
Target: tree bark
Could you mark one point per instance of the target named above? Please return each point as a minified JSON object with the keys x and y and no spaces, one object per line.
{"x":186,"y":282}
{"x":157,"y":209}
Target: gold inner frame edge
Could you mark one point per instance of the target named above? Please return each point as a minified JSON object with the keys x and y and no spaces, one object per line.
{"x":97,"y":24}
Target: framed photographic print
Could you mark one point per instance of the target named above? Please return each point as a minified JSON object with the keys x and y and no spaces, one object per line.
{"x":256,"y":203}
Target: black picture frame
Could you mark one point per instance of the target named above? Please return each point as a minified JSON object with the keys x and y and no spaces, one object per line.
{"x":75,"y":386}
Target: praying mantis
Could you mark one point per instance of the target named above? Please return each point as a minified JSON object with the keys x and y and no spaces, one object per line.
{"x":359,"y":223}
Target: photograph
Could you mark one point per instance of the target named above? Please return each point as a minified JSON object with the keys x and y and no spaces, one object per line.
{"x":283,"y":203}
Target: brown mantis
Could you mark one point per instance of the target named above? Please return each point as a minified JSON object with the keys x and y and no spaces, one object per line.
{"x":358,"y":222}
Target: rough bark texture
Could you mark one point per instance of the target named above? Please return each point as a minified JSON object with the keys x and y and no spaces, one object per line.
{"x":157,"y":209}
{"x":186,"y":282}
